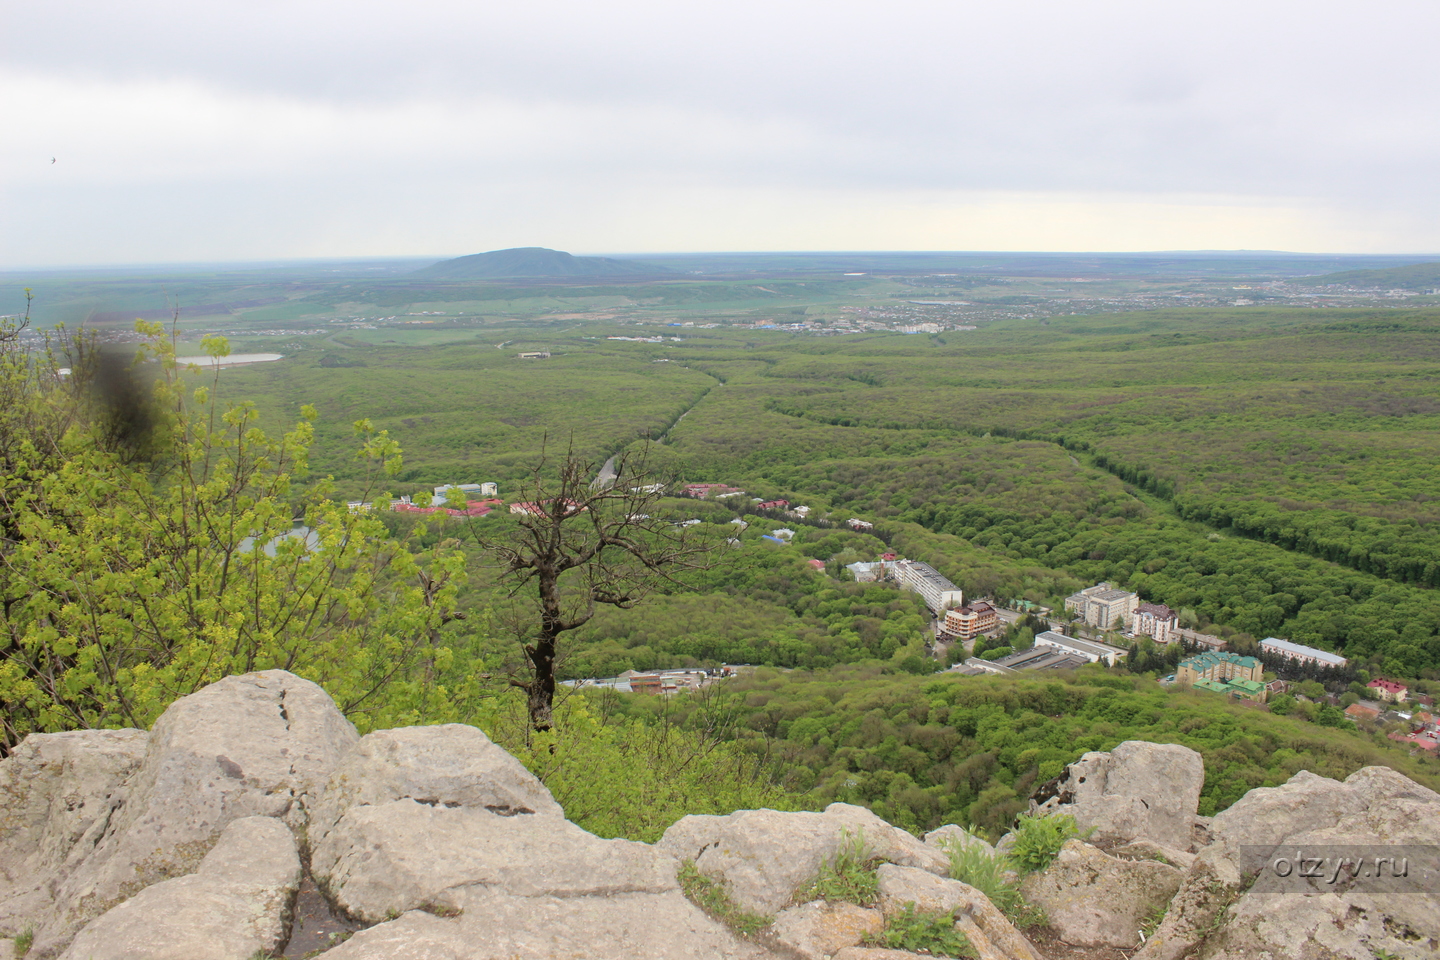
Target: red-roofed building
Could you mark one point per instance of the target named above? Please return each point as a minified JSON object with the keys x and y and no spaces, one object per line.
{"x":1388,"y":690}
{"x":772,"y":505}
{"x":475,"y":508}
{"x":816,"y":564}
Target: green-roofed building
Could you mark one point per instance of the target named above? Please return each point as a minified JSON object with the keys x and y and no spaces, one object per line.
{"x":1219,"y":665}
{"x":1225,"y":673}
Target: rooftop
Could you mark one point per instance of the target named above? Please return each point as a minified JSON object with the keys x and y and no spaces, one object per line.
{"x":1300,"y":650}
{"x":1204,"y":661}
{"x":1076,"y":643}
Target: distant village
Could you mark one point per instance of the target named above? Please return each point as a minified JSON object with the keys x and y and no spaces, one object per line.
{"x":960,"y":626}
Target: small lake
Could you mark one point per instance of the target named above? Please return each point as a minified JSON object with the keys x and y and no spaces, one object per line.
{"x":233,"y":360}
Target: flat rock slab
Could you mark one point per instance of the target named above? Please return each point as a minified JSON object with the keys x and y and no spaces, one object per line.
{"x":764,"y":856}
{"x":232,"y":908}
{"x":1097,"y":900}
{"x":494,"y":926}
{"x":405,"y":855}
{"x":450,"y":765}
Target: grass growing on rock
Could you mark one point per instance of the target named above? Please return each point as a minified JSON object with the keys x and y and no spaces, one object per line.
{"x":848,"y":876}
{"x":923,"y":931}
{"x":711,"y":896}
{"x":993,"y":875}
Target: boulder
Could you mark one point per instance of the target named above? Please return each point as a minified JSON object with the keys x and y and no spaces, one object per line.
{"x":1138,"y":791}
{"x":816,"y":930}
{"x":931,"y":894}
{"x":58,"y":793}
{"x":490,"y":925}
{"x":260,"y":744}
{"x":403,"y":855}
{"x":414,"y":814}
{"x":1272,"y":815}
{"x":235,"y":906}
{"x":1093,"y":899}
{"x":765,"y":856}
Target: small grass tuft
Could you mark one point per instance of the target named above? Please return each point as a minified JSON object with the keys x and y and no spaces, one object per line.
{"x":712,"y":897}
{"x":919,"y":931}
{"x":441,"y":910}
{"x":848,"y":876}
{"x":24,"y":942}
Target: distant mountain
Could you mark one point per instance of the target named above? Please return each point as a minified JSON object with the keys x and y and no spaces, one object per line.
{"x":1416,"y":276}
{"x":535,"y":262}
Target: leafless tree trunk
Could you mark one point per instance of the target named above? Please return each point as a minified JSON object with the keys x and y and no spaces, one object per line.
{"x":578,"y":544}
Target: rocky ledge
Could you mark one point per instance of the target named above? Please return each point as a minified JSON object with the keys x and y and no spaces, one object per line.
{"x":192,"y":842}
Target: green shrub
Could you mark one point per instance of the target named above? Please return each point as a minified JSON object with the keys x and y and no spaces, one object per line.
{"x":849,"y":876}
{"x":1038,"y":839}
{"x":916,"y":930}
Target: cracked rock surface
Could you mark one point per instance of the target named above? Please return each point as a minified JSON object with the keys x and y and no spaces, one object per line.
{"x":259,"y":744}
{"x":235,"y":905}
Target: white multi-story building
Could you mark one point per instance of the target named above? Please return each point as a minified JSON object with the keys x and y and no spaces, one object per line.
{"x":1302,"y":653}
{"x":1156,"y":621}
{"x":1103,"y":607}
{"x":937,"y":592}
{"x":1089,"y":649}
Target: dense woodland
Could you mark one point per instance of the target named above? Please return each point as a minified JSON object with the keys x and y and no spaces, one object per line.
{"x":1266,"y":472}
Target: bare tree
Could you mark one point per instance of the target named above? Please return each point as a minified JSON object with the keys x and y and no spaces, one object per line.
{"x":577,"y":544}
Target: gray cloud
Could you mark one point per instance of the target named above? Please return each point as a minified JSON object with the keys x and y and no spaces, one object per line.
{"x":407,"y":111}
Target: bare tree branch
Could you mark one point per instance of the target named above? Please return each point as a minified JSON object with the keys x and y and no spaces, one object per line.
{"x":579,"y":545}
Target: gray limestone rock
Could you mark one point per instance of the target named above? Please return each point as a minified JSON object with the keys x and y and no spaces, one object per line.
{"x":931,"y":894}
{"x":58,"y":793}
{"x":1093,"y":899}
{"x":1296,"y":926}
{"x":1138,"y":791}
{"x":1211,"y":884}
{"x":404,"y":855}
{"x":260,"y":744}
{"x":765,"y":855}
{"x":818,"y":929}
{"x":451,"y":765}
{"x":1145,"y":850}
{"x":489,"y":925}
{"x":234,"y":906}
{"x":413,"y":814}
{"x":941,"y":837}
{"x":1272,"y":815}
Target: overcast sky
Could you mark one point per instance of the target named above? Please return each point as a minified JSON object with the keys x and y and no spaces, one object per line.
{"x":262,"y":129}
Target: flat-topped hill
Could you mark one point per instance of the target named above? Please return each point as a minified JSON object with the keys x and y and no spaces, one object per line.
{"x":536,"y":262}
